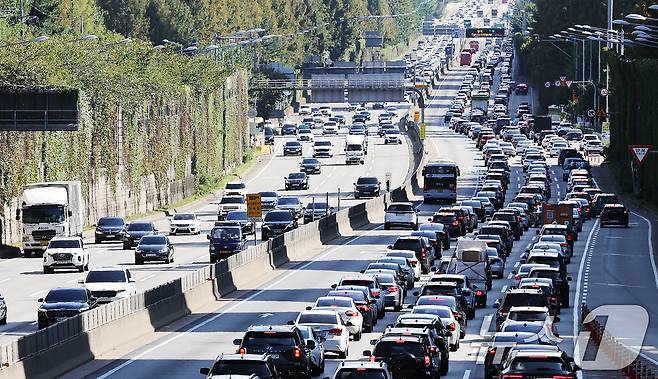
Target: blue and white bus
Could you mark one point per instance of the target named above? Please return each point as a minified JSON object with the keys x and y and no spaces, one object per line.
{"x":440,"y":180}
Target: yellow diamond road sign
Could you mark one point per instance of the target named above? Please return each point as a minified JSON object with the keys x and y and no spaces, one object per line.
{"x":253,"y":205}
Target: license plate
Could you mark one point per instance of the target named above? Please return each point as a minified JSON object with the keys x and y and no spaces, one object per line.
{"x":151,"y":255}
{"x":274,"y":356}
{"x":43,"y":243}
{"x":224,"y":251}
{"x":110,"y":236}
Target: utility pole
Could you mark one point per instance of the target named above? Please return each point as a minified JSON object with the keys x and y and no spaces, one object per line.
{"x":215,"y":53}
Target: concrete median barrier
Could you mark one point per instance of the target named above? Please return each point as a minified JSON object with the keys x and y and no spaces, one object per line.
{"x":62,"y":347}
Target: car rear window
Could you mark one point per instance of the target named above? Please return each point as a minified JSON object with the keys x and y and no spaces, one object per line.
{"x":265,"y":339}
{"x":438,"y":290}
{"x":357,"y":282}
{"x":241,"y":367}
{"x":522,"y":300}
{"x":360,"y":373}
{"x":406,"y":244}
{"x":401,"y":208}
{"x":538,"y":364}
{"x":444,"y":218}
{"x":391,"y":348}
{"x":316,"y":318}
{"x":334,"y":302}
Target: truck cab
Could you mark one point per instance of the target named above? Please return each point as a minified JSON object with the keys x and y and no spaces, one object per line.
{"x":355,"y":149}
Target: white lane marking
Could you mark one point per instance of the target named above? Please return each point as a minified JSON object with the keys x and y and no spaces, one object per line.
{"x":509,"y":276}
{"x":516,"y":264}
{"x":232,"y":307}
{"x":653,"y":260}
{"x":146,"y":278}
{"x":467,"y":374}
{"x":576,"y":303}
{"x":503,"y":289}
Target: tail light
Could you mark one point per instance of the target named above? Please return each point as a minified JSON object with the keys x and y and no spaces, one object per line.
{"x":242,"y":350}
{"x":452,"y":186}
{"x":564,"y":244}
{"x":350,"y":313}
{"x":553,"y":298}
{"x":413,"y":263}
{"x":297,"y":353}
{"x":562,"y":377}
{"x":569,"y":237}
{"x":461,"y":217}
{"x":427,"y":361}
{"x":491,"y":351}
{"x":423,"y":254}
{"x":392,"y":289}
{"x":364,"y":308}
{"x":512,"y":376}
{"x":455,"y":223}
{"x":453,"y":326}
{"x":375,"y":293}
{"x":457,"y":315}
{"x":517,"y":277}
{"x":479,"y":293}
{"x":373,"y":358}
{"x":336,"y":331}
{"x":433,"y":349}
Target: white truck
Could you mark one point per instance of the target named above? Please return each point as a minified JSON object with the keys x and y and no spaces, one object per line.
{"x":53,"y":209}
{"x":470,"y":259}
{"x":355,"y":148}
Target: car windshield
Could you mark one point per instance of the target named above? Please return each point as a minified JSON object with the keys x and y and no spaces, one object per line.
{"x":401,"y":208}
{"x":232,"y":200}
{"x":268,"y":194}
{"x":310,"y":161}
{"x":153,"y":240}
{"x":288,"y":201}
{"x":360,"y":373}
{"x":230,"y":233}
{"x":67,"y":295}
{"x":106,"y":276}
{"x":317,"y":318}
{"x":317,"y":206}
{"x":278,"y":216}
{"x":235,"y":186}
{"x":354,"y":147}
{"x":140,"y":226}
{"x":538,"y":364}
{"x":236,"y":216}
{"x":441,"y":312}
{"x":110,"y":221}
{"x":184,"y":216}
{"x":241,"y":367}
{"x":293,"y":144}
{"x":367,"y":180}
{"x":296,"y":175}
{"x":322,"y":143}
{"x":64,"y":244}
{"x":527,"y":316}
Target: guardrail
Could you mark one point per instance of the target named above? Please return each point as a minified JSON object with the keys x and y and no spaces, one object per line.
{"x":55,"y":350}
{"x":303,"y":84}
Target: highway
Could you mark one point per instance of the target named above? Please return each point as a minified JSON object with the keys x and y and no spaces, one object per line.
{"x":23,"y":282}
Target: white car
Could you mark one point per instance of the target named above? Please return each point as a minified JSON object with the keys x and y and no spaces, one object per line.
{"x":235,"y":187}
{"x":526,"y":315}
{"x":401,"y":215}
{"x":330,"y":127}
{"x":184,"y":223}
{"x":305,"y":135}
{"x":508,"y":148}
{"x":328,"y":325}
{"x":594,"y":147}
{"x":65,"y":253}
{"x":392,"y":136}
{"x":323,"y":148}
{"x":587,"y":138}
{"x":557,"y":147}
{"x":447,"y":318}
{"x":304,"y":110}
{"x":346,"y":309}
{"x":108,"y":284}
{"x":231,"y":203}
{"x":412,"y":260}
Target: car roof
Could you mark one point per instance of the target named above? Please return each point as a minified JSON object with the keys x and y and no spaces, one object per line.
{"x":363,"y":364}
{"x":109,"y":268}
{"x":528,"y":309}
{"x":242,"y":357}
{"x":60,"y":238}
{"x":272,"y":328}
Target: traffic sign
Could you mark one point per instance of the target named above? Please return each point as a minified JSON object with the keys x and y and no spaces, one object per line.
{"x":640,"y":152}
{"x":604,"y":92}
{"x":423,"y":131}
{"x":416,"y":116}
{"x":557,"y":83}
{"x":254,"y":209}
{"x":251,"y":113}
{"x":563,"y":78}
{"x":547,"y":84}
{"x":591,"y":113}
{"x":601,"y":113}
{"x":569,"y":82}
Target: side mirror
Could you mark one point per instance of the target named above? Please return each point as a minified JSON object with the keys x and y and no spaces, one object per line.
{"x":131,"y":280}
{"x":204,"y":371}
{"x":367,"y":353}
{"x":569,"y":278}
{"x":94,"y":225}
{"x":362,"y":271}
{"x":208,"y":237}
{"x":416,"y":293}
{"x":496,"y":305}
{"x":429,"y":219}
{"x":81,"y":281}
{"x":348,"y":323}
{"x":576,"y":367}
{"x":448,"y":333}
{"x":309,"y":308}
{"x":373,"y":301}
{"x":40,"y":300}
{"x":537,"y":232}
{"x":514,"y":272}
{"x":390,"y":246}
{"x":373,"y":342}
{"x":18,"y":214}
{"x":333,"y":286}
{"x":237,"y":341}
{"x":433,"y":269}
{"x":310,"y":344}
{"x":410,"y":306}
{"x":291,"y":322}
{"x":556,"y":319}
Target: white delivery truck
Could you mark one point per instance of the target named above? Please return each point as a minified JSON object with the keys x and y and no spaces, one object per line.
{"x":53,"y":209}
{"x":355,"y":148}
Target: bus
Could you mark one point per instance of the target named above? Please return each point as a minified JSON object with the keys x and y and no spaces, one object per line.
{"x":440,"y":180}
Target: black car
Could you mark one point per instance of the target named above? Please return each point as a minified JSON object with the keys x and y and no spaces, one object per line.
{"x":297,"y":180}
{"x":567,"y":153}
{"x":238,"y":365}
{"x":419,"y":245}
{"x":155,"y":247}
{"x":109,"y":229}
{"x":285,"y":344}
{"x":518,"y":298}
{"x":135,"y":231}
{"x":513,"y":219}
{"x":468,"y":292}
{"x":438,"y":239}
{"x":435,"y":328}
{"x":366,"y":186}
{"x":601,"y":199}
{"x":241,"y":217}
{"x":502,"y":343}
{"x":560,"y":282}
{"x":277,"y":223}
{"x":226,"y":239}
{"x":614,"y":214}
{"x":450,"y":223}
{"x":268,"y":135}
{"x":430,"y":339}
{"x":62,"y":303}
{"x":317,"y":210}
{"x":535,"y":364}
{"x":292,"y":148}
{"x":289,"y":130}
{"x":310,"y":166}
{"x":406,"y":356}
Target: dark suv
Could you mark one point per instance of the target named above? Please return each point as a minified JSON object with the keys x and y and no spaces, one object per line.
{"x":430,"y":338}
{"x":567,"y":153}
{"x":109,"y":229}
{"x":450,"y":222}
{"x":601,"y":199}
{"x":276,"y":223}
{"x":226,"y":239}
{"x":513,"y":219}
{"x":227,"y":365}
{"x":614,"y":214}
{"x":420,"y":245}
{"x":62,"y":303}
{"x":518,"y":298}
{"x":135,"y":231}
{"x":503,"y":232}
{"x":285,"y":344}
{"x":407,"y":356}
{"x":536,"y":364}
{"x":366,"y":186}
